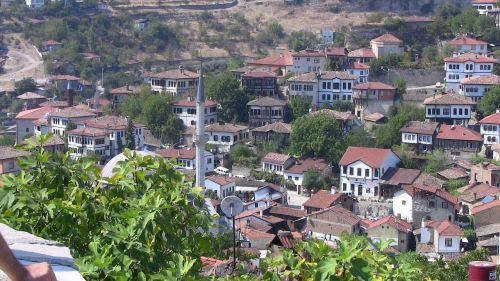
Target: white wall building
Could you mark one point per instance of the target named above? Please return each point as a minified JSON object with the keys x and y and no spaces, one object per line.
{"x":277,"y":163}
{"x":35,"y":4}
{"x":419,"y":135}
{"x":25,"y":121}
{"x":464,"y":66}
{"x":296,"y":173}
{"x":173,"y":82}
{"x":222,"y":185}
{"x":224,"y":136}
{"x":118,"y":95}
{"x":328,"y":86}
{"x":59,"y":119}
{"x":476,"y":87}
{"x":88,"y":141}
{"x":469,"y":45}
{"x":490,"y":129}
{"x":186,"y":111}
{"x":449,"y":108}
{"x":361,"y":70}
{"x":309,"y":61}
{"x":484,"y":7}
{"x":444,"y":235}
{"x":386,"y":44}
{"x":361,"y":170}
{"x":186,"y":158}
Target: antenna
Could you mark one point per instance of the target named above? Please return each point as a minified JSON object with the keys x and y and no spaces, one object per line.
{"x":232,"y":206}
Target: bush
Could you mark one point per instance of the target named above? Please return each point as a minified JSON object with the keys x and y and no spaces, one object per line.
{"x":243,"y":155}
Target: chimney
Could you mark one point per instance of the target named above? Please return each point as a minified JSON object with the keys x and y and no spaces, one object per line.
{"x":498,"y":110}
{"x":333,"y":189}
{"x":128,"y":87}
{"x":181,"y":69}
{"x":281,"y":55}
{"x":452,"y":127}
{"x":475,"y":195}
{"x":190,"y":98}
{"x":71,"y":95}
{"x":261,"y":213}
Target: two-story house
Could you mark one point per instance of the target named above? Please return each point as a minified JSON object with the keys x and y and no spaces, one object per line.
{"x":31,"y":100}
{"x":173,"y":82}
{"x":391,"y":228}
{"x":118,"y":95}
{"x":324,"y":199}
{"x":260,"y":83}
{"x":309,"y":61}
{"x":361,"y":170}
{"x":467,"y":44}
{"x":115,"y":128}
{"x":8,"y":159}
{"x":51,"y":45}
{"x":386,"y":44}
{"x":186,"y":111}
{"x":296,"y":172}
{"x":265,"y":110}
{"x":444,"y":236}
{"x":361,"y":70}
{"x":330,"y":223}
{"x":323,"y":87}
{"x":487,"y":214}
{"x":281,"y":63}
{"x":59,"y":119}
{"x":273,"y":131}
{"x":448,"y":108}
{"x":458,"y":141}
{"x":464,"y":66}
{"x":363,"y":55}
{"x":418,"y":201}
{"x":223,"y":186}
{"x":225,"y":136}
{"x":186,"y":158}
{"x":88,"y":141}
{"x":419,"y":135}
{"x":25,"y":121}
{"x":488,"y":173}
{"x":490,"y":129}
{"x":347,"y":120}
{"x":476,"y":194}
{"x":373,"y":97}
{"x":277,"y":162}
{"x":476,"y":87}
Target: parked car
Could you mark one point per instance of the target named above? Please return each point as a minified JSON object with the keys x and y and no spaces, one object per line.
{"x":222,"y":171}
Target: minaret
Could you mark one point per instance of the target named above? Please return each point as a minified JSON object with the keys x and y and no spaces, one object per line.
{"x":200,"y":139}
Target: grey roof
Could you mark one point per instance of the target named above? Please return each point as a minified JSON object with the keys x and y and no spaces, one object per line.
{"x":72,"y":112}
{"x":233,"y":128}
{"x":7,"y":152}
{"x":278,"y":127}
{"x":267,"y":101}
{"x":419,"y":127}
{"x":312,"y":77}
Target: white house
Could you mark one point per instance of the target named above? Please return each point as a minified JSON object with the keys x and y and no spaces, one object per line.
{"x":224,"y":136}
{"x":323,"y":87}
{"x":469,"y":45}
{"x":115,"y":128}
{"x":419,"y":135}
{"x":186,"y":111}
{"x":449,"y":108}
{"x":443,"y":235}
{"x":476,"y":87}
{"x":88,"y":141}
{"x":361,"y":70}
{"x":25,"y":121}
{"x":386,"y":44}
{"x":297,"y":172}
{"x":186,"y":157}
{"x":118,"y":95}
{"x":490,"y":129}
{"x":271,"y":192}
{"x":35,"y":4}
{"x":173,"y":82}
{"x":222,"y":185}
{"x":59,"y":119}
{"x":464,"y":66}
{"x":417,"y":202}
{"x":362,"y":168}
{"x":309,"y":61}
{"x":485,"y":7}
{"x":363,"y":55}
{"x":277,"y":162}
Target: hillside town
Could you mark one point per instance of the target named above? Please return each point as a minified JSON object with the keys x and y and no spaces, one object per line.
{"x":387,"y":138}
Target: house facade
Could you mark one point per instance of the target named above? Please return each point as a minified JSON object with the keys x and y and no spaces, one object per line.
{"x":486,"y":213}
{"x":260,"y":83}
{"x":466,"y":44}
{"x":186,"y":158}
{"x":490,"y":129}
{"x":281,"y":64}
{"x":88,"y":141}
{"x":373,"y":97}
{"x":172,"y":82}
{"x":118,"y":95}
{"x":9,"y":159}
{"x":458,"y":141}
{"x":448,"y":108}
{"x":186,"y":111}
{"x":273,"y":131}
{"x":391,"y":228}
{"x":386,"y":44}
{"x":485,"y":7}
{"x":25,"y":121}
{"x":59,"y":119}
{"x":464,"y":66}
{"x":363,"y":55}
{"x":277,"y":163}
{"x":476,"y":87}
{"x":361,"y":170}
{"x":325,"y":87}
{"x":444,"y":236}
{"x":297,"y":171}
{"x":225,"y":136}
{"x":221,"y":185}
{"x":419,"y":135}
{"x":265,"y":110}
{"x":309,"y":61}
{"x":329,"y":224}
{"x":361,"y":70}
{"x":324,"y":199}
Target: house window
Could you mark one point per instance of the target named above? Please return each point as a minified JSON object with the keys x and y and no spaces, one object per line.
{"x":344,"y":170}
{"x":351,"y":171}
{"x":359,"y":172}
{"x":432,"y":204}
{"x":216,"y":138}
{"x":402,"y":241}
{"x":344,"y":187}
{"x":296,"y":178}
{"x":403,"y":202}
{"x":448,"y":242}
{"x":376,"y":173}
{"x":367,"y":172}
{"x":444,"y":205}
{"x":11,"y":165}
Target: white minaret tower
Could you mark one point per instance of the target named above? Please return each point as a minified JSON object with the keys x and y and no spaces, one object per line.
{"x":200,"y":139}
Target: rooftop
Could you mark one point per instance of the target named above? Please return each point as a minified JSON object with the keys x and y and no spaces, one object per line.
{"x":126,"y":90}
{"x":52,"y":42}
{"x":72,"y":112}
{"x":278,"y":127}
{"x":481,"y":80}
{"x":87,"y":131}
{"x":464,"y":40}
{"x":276,"y":158}
{"x":221,"y":180}
{"x":417,"y":188}
{"x":491,"y":119}
{"x":420,"y":127}
{"x":259,"y":74}
{"x":447,"y":228}
{"x":30,"y":95}
{"x":34,"y":114}
{"x":361,"y":53}
{"x":371,"y":156}
{"x":172,"y":74}
{"x":357,"y":65}
{"x":400,"y":176}
{"x":109,"y":122}
{"x":373,"y":86}
{"x":226,"y":127}
{"x":303,"y":165}
{"x":486,"y":206}
{"x":339,"y":115}
{"x":325,"y":75}
{"x":55,"y":139}
{"x":322,"y":199}
{"x":453,"y":173}
{"x":448,"y":99}
{"x":266,"y":101}
{"x":65,"y":78}
{"x":281,"y":59}
{"x":347,"y":216}
{"x":458,"y":132}
{"x":285,"y":211}
{"x":184,"y":153}
{"x":7,"y":152}
{"x":374,"y":117}
{"x":470,"y":57}
{"x":394,"y":222}
{"x":54,"y":103}
{"x":387,"y":38}
{"x":477,"y":191}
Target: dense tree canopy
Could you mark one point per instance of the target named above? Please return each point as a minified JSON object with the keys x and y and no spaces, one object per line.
{"x":226,"y":90}
{"x":300,"y":106}
{"x":489,"y":103}
{"x":25,"y":85}
{"x":388,"y":134}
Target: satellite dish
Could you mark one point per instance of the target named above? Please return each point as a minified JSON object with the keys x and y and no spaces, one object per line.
{"x":231,"y":206}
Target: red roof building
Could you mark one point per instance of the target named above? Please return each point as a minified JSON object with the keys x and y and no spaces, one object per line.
{"x":387,"y":38}
{"x":470,"y":57}
{"x":466,"y":41}
{"x":458,"y":133}
{"x":373,"y":157}
{"x":363,"y":55}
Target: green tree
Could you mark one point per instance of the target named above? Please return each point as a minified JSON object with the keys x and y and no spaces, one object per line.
{"x":25,"y":85}
{"x":359,"y":137}
{"x":430,"y":54}
{"x":437,"y":162}
{"x":448,"y":50}
{"x":70,"y":126}
{"x":300,"y":106}
{"x":301,"y":40}
{"x":389,"y":134}
{"x":226,"y":90}
{"x":318,"y":135}
{"x":489,"y":103}
{"x":313,"y":180}
{"x":400,"y":84}
{"x":276,"y":30}
{"x":7,"y":140}
{"x":129,"y":135}
{"x":243,"y":155}
{"x":343,"y":105}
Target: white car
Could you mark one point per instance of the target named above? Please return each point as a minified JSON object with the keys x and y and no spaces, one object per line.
{"x":222,"y":171}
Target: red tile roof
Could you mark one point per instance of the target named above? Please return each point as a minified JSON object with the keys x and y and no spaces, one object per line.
{"x":484,"y":1}
{"x":281,"y":59}
{"x":457,"y":132}
{"x":470,"y":57}
{"x":486,"y":206}
{"x":453,"y":173}
{"x":491,"y":119}
{"x":287,"y":239}
{"x":448,"y":99}
{"x":259,"y":74}
{"x":256,"y":234}
{"x":361,"y":53}
{"x":276,"y":158}
{"x":413,"y":189}
{"x":285,"y":211}
{"x":54,"y":103}
{"x":34,"y":114}
{"x":309,"y":53}
{"x":303,"y":165}
{"x":481,"y":80}
{"x":184,"y":153}
{"x":358,"y":65}
{"x":478,"y":191}
{"x":467,"y":41}
{"x":347,"y":216}
{"x":211,"y":262}
{"x":399,"y":176}
{"x":30,"y":95}
{"x":447,"y":228}
{"x":192,"y":103}
{"x":394,"y":222}
{"x":373,"y":157}
{"x":91,"y":132}
{"x":221,"y":180}
{"x":374,"y":117}
{"x":322,"y":199}
{"x":387,"y":38}
{"x":420,"y":127}
{"x":52,"y":42}
{"x":373,"y":86}
{"x":339,"y":115}
{"x":172,"y":74}
{"x":126,"y":90}
{"x":336,"y":51}
{"x":109,"y":122}
{"x":7,"y":152}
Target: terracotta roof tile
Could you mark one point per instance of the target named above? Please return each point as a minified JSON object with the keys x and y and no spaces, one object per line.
{"x":336,"y":51}
{"x":373,"y":86}
{"x":412,"y":190}
{"x":347,"y":216}
{"x":126,"y":90}
{"x":91,"y":132}
{"x":7,"y":152}
{"x":453,"y":173}
{"x":185,"y":153}
{"x":232,"y":128}
{"x":399,"y":176}
{"x":419,"y":127}
{"x":255,"y":234}
{"x":486,"y":206}
{"x":484,"y":1}
{"x":339,"y":115}
{"x":374,"y":117}
{"x":54,"y":103}
{"x":172,"y":74}
{"x":281,"y":59}
{"x":51,"y":42}
{"x":276,"y":158}
{"x":457,"y":132}
{"x":324,"y":75}
{"x":221,"y":180}
{"x":287,"y":239}
{"x":286,"y":211}
{"x":491,"y":119}
{"x":322,"y":199}
{"x":467,"y":41}
{"x":387,"y":38}
{"x":303,"y":165}
{"x":357,"y":65}
{"x":447,"y":228}
{"x":361,"y":53}
{"x":109,"y":122}
{"x":470,"y":57}
{"x":394,"y":222}
{"x":371,"y":156}
{"x":192,"y":103}
{"x":448,"y":99}
{"x":65,"y":78}
{"x":53,"y":140}
{"x":278,"y":127}
{"x":259,"y":74}
{"x":477,"y":191}
{"x":34,"y":114}
{"x":30,"y":95}
{"x":481,"y":80}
